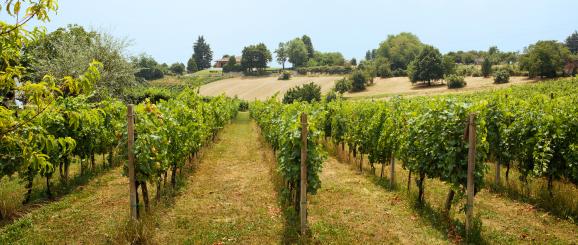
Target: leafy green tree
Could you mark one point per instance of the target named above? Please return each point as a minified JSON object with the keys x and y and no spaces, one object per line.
{"x":449,"y":65}
{"x":486,"y":67}
{"x":427,"y":66}
{"x":147,"y":67}
{"x":307,"y":41}
{"x":368,"y":55}
{"x":572,"y":42}
{"x":192,"y":65}
{"x":281,"y":54}
{"x":544,"y":58}
{"x":307,"y":93}
{"x":255,"y":57}
{"x":69,"y":51}
{"x":178,"y":68}
{"x":297,"y":52}
{"x":203,"y":54}
{"x":400,"y":49}
{"x":358,"y":80}
{"x":326,"y":59}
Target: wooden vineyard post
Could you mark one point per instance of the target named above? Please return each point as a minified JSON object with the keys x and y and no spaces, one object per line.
{"x":470,"y":177}
{"x":131,"y":170}
{"x":303,"y":190}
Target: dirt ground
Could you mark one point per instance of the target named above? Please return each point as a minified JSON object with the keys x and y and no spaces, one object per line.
{"x":263,"y":87}
{"x":401,"y":85}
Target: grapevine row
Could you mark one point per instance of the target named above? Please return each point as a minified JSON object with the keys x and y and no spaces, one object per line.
{"x":281,"y":127}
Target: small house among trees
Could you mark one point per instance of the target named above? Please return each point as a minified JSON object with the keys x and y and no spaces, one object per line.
{"x":223,"y":61}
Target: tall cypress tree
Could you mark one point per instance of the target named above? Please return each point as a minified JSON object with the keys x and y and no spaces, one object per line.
{"x":203,"y":55}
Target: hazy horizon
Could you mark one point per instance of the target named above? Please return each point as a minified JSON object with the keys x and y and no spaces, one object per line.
{"x":167,"y":31}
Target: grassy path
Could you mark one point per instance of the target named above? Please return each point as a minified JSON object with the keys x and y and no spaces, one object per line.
{"x":89,"y":215}
{"x":349,"y":209}
{"x":229,"y":198}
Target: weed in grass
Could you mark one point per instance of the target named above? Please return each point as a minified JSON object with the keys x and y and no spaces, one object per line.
{"x":135,"y":231}
{"x":11,"y":196}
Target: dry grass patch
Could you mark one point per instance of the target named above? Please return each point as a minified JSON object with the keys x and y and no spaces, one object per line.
{"x":384,"y":87}
{"x":261,"y":88}
{"x":87,"y":216}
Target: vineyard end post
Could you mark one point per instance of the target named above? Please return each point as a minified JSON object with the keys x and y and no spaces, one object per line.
{"x":470,"y":177}
{"x":131,"y":168}
{"x":303,"y":190}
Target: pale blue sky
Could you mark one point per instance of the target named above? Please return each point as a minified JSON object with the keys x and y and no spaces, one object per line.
{"x":167,"y":29}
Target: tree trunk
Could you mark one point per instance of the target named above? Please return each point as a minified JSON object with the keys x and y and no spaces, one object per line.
{"x":137,"y":203}
{"x":145,"y":196}
{"x":66,"y":168}
{"x":449,"y":200}
{"x":61,"y":170}
{"x":507,"y":172}
{"x":165,"y":180}
{"x":29,"y":184}
{"x":81,"y":166}
{"x":174,"y":176}
{"x":297,"y":196}
{"x":420,"y":185}
{"x":111,"y":156}
{"x":92,"y":163}
{"x":382,"y":167}
{"x":48,"y":191}
{"x":104,"y":160}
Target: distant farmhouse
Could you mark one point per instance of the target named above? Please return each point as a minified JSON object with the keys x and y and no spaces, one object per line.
{"x":223,"y":61}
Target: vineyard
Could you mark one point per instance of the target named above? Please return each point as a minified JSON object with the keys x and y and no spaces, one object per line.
{"x":531,"y":129}
{"x":407,"y":145}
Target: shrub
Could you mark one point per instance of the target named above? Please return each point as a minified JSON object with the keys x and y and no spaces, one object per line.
{"x":333,"y":70}
{"x":399,"y":73}
{"x":285,"y":75}
{"x":486,"y":67}
{"x":343,"y":85}
{"x":502,"y":76}
{"x":455,"y":81}
{"x":358,"y":81}
{"x":257,"y":73}
{"x":467,"y":70}
{"x":243,"y":105}
{"x":383,"y":71}
{"x":331,"y":96}
{"x":308,"y":92}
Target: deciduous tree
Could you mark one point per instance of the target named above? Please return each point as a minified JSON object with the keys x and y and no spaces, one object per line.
{"x":427,"y":66}
{"x":544,"y":58}
{"x":297,"y":52}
